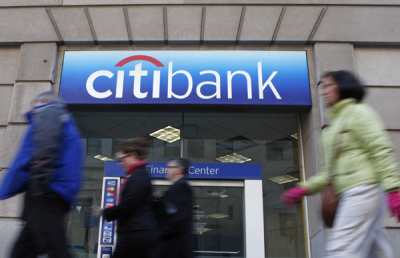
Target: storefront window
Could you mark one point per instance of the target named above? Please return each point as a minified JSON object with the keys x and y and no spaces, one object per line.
{"x":268,"y":139}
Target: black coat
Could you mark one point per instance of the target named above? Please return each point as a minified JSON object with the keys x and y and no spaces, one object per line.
{"x":176,"y":228}
{"x":135,"y":210}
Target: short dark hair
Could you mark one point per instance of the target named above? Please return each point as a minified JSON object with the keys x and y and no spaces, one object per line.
{"x":182,"y":163}
{"x":349,"y":85}
{"x":138,"y":145}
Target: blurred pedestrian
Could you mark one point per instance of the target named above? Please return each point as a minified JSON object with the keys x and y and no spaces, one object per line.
{"x":137,"y":231}
{"x":48,"y":168}
{"x":176,"y":226}
{"x":357,"y":146}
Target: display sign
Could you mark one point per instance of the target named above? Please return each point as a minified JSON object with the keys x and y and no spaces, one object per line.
{"x":186,"y":77}
{"x":105,"y":252}
{"x":110,"y":194}
{"x":197,"y":170}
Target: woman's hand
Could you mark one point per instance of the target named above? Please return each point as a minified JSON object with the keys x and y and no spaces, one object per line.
{"x":97,"y":211}
{"x":293,"y":196}
{"x":394,"y":203}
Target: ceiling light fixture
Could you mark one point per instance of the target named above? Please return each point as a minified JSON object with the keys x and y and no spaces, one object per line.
{"x":201,"y":230}
{"x":102,"y":158}
{"x":218,"y":216}
{"x":283,"y":179}
{"x":167,"y":134}
{"x":217,"y":194}
{"x":233,"y":158}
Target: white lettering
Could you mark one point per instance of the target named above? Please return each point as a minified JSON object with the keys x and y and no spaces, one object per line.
{"x":170,"y":75}
{"x":156,"y":170}
{"x":156,"y":84}
{"x":138,"y":73}
{"x":217,"y":85}
{"x":120,"y":84}
{"x":203,"y":171}
{"x":248,"y":79}
{"x":179,"y":89}
{"x":90,"y":88}
{"x":261,"y":86}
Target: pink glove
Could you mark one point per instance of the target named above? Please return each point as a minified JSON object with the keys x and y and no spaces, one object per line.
{"x":394,"y":203}
{"x":293,"y":196}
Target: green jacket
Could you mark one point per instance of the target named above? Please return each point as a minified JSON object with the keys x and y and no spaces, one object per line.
{"x":365,"y":152}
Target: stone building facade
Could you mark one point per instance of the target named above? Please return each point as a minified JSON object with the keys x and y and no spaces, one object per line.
{"x":362,"y":36}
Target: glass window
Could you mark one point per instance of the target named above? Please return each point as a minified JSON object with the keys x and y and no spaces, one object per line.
{"x":264,"y":138}
{"x":218,"y":228}
{"x":93,"y":146}
{"x":195,"y":148}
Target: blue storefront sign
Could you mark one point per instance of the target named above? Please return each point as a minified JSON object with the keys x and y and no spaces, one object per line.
{"x":197,"y":170}
{"x":186,"y":77}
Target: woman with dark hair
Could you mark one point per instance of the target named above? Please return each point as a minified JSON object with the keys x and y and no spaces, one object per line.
{"x":359,"y":163}
{"x":137,"y":232}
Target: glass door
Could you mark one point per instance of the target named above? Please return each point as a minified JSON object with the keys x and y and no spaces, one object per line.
{"x":268,"y":139}
{"x":218,"y":217}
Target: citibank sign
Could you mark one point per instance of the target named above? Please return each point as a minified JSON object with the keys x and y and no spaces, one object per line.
{"x":186,"y":77}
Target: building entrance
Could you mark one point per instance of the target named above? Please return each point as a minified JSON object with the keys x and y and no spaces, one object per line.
{"x":218,"y":217}
{"x":268,"y":140}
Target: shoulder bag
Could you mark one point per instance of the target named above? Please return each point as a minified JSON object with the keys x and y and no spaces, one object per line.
{"x":329,"y":199}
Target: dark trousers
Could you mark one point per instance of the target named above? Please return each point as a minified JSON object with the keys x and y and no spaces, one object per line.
{"x":138,"y":244}
{"x":175,"y":248}
{"x":44,"y":229}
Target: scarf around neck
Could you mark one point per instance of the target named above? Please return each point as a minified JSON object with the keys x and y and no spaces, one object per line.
{"x":128,"y":174}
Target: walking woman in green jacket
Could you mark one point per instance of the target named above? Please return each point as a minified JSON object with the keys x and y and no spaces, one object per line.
{"x":364,"y":165}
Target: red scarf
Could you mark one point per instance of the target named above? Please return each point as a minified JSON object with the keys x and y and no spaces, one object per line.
{"x":128,"y":174}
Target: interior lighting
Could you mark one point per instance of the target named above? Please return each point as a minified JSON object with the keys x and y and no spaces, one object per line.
{"x":233,"y":158}
{"x":202,"y":230}
{"x":217,"y":194}
{"x":218,"y":216}
{"x":283,"y":179}
{"x":102,"y":158}
{"x":167,"y":134}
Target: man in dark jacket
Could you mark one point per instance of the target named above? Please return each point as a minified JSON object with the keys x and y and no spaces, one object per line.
{"x":48,"y":168}
{"x":176,"y":226}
